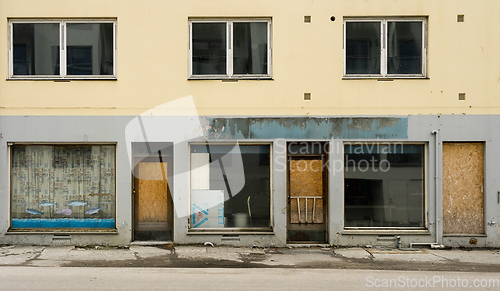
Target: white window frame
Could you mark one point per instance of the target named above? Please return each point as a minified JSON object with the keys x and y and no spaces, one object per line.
{"x":249,"y":230}
{"x":229,"y":48}
{"x":62,"y":49}
{"x":383,"y":50}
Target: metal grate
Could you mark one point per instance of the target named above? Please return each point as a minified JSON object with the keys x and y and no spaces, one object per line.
{"x":387,"y":241}
{"x":307,"y":96}
{"x":61,"y":238}
{"x":460,"y":18}
{"x":230,"y":237}
{"x":461,"y":96}
{"x":307,"y":19}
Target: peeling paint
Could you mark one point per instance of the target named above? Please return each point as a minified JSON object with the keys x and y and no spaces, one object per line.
{"x":320,"y":128}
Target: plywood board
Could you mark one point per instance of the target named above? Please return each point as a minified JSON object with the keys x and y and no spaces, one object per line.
{"x":306,"y":179}
{"x":152,"y":198}
{"x":463,"y":188}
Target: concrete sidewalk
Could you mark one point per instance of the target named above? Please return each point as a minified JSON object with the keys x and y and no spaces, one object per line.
{"x":294,"y":257}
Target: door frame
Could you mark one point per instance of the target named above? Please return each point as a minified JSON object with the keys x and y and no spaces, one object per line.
{"x":167,"y":157}
{"x":322,"y":154}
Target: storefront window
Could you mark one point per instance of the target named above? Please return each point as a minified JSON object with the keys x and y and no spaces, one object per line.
{"x":63,"y":186}
{"x":384,"y":185}
{"x":230,"y":186}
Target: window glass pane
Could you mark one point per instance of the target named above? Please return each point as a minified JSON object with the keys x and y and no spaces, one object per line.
{"x":63,"y":186}
{"x":384,"y":185}
{"x":404,"y":47}
{"x":362,"y":47}
{"x":209,"y":48}
{"x":35,"y":48}
{"x":250,"y":48}
{"x":230,"y":186}
{"x":89,"y":48}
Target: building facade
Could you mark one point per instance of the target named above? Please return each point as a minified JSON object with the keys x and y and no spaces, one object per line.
{"x":250,"y":123}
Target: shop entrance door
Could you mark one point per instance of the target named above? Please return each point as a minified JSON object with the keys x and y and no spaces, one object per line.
{"x":153,"y":207}
{"x":307,"y":194}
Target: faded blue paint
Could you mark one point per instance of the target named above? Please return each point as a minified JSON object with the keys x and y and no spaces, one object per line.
{"x":309,"y":128}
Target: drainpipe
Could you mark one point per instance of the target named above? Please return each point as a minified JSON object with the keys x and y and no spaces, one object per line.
{"x":436,"y":244}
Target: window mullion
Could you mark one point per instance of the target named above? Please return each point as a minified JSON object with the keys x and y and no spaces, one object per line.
{"x":190,"y":49}
{"x":115,"y":46}
{"x":344,"y":48}
{"x":62,"y":50}
{"x":269,"y":48}
{"x":424,"y":48}
{"x":11,"y":49}
{"x":383,"y":52}
{"x":229,"y":60}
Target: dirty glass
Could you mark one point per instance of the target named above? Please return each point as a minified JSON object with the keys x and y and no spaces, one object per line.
{"x":250,"y":48}
{"x":63,"y":186}
{"x":362,"y":47}
{"x":35,"y":48}
{"x":404,"y":47}
{"x":209,"y":48}
{"x":384,"y":185}
{"x":89,"y":49}
{"x":230,"y":186}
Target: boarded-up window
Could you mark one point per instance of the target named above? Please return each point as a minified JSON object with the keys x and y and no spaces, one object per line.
{"x":152,"y":193}
{"x":463,"y":188}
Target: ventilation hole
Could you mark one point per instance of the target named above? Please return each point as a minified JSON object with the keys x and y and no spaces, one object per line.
{"x":61,"y":238}
{"x":230,"y":237}
{"x":461,"y":96}
{"x":332,"y":18}
{"x":460,"y":18}
{"x":307,"y":96}
{"x":307,"y":19}
{"x":387,"y":241}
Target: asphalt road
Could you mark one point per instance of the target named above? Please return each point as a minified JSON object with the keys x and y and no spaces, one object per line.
{"x":37,"y":278}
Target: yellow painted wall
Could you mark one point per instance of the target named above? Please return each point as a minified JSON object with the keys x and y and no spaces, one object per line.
{"x":152,"y":60}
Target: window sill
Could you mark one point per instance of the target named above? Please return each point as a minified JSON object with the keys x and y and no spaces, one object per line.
{"x":63,"y":79}
{"x":234,"y":79}
{"x":228,"y":231}
{"x":385,"y":78}
{"x":463,"y":235}
{"x":386,"y":231}
{"x":58,"y":231}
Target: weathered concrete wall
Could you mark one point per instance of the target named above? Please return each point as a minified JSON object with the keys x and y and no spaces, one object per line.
{"x":60,"y":130}
{"x":51,"y":129}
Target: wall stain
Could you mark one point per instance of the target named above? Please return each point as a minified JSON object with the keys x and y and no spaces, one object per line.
{"x":387,"y":122}
{"x":320,"y":128}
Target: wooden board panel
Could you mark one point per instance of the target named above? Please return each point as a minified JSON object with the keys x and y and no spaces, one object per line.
{"x":463,"y":188}
{"x":306,"y":179}
{"x":152,"y":198}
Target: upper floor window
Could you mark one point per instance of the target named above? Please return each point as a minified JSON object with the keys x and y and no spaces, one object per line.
{"x":387,"y":47}
{"x":229,"y":48}
{"x":62,"y":49}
